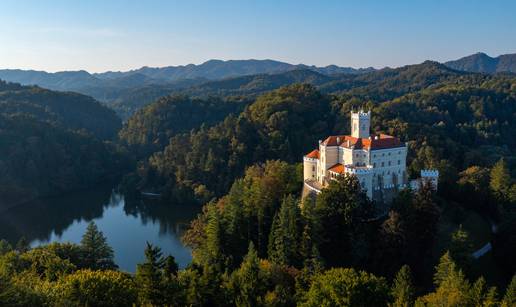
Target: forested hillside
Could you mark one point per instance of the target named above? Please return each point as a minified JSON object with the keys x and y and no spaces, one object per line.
{"x":451,"y":120}
{"x":74,"y":111}
{"x":150,"y":129}
{"x":481,"y":62}
{"x":235,"y":145}
{"x":52,"y":142}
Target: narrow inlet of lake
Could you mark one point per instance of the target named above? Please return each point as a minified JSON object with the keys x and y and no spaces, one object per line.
{"x":127,"y":226}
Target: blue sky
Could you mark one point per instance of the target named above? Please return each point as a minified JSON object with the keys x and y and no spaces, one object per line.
{"x":100,"y":35}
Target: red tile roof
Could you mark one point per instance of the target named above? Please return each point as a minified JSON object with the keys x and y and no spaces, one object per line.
{"x":381,"y":141}
{"x":314,"y":154}
{"x":337,"y":168}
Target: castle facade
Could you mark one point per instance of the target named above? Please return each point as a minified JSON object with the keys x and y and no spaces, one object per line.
{"x":378,"y":161}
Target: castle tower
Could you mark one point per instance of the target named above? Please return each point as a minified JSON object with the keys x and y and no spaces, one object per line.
{"x":360,"y":124}
{"x":430,"y":175}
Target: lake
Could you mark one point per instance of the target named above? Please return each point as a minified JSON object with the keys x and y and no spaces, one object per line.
{"x":127,"y":226}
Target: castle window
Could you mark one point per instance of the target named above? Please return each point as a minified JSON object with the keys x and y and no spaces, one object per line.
{"x":374,"y":156}
{"x":374,"y":164}
{"x":313,"y":168}
{"x":399,"y":152}
{"x":389,"y":153}
{"x":389,"y":163}
{"x":383,"y":154}
{"x":383,"y":164}
{"x":399,"y":162}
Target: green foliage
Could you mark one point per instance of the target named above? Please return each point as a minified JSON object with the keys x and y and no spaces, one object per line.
{"x":96,"y":252}
{"x":156,"y":279}
{"x":347,"y":287}
{"x":509,"y":298}
{"x":41,"y":159}
{"x":222,"y":233}
{"x":150,"y":129}
{"x":342,"y":209}
{"x":247,"y":281}
{"x":280,"y":124}
{"x":461,"y":249}
{"x":5,"y":247}
{"x":284,"y":235}
{"x":22,"y":245}
{"x":96,"y":288}
{"x":453,"y":289}
{"x":403,"y":291}
{"x":501,"y":181}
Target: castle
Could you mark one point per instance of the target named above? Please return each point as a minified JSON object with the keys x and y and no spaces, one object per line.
{"x":378,"y":161}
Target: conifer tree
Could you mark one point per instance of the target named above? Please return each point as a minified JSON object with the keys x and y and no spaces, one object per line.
{"x":284,"y":235}
{"x":403,"y":289}
{"x":149,"y":276}
{"x":170,"y":267}
{"x":500,"y":182}
{"x":213,"y":252}
{"x":452,"y":288}
{"x":247,"y":280}
{"x":509,"y":298}
{"x":461,"y":249}
{"x":341,"y":208}
{"x":96,"y":252}
{"x":271,"y":246}
{"x":480,"y":295}
{"x":444,"y":269}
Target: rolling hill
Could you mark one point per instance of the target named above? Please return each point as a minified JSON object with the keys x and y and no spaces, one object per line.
{"x":481,"y":62}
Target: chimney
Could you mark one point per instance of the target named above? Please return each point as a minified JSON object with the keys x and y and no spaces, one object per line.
{"x":338,"y":140}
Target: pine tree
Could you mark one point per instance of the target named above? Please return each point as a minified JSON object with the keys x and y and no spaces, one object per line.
{"x":213,"y":252}
{"x":96,"y":252}
{"x":247,"y":279}
{"x":461,"y":249}
{"x":452,"y":287}
{"x":272,"y":252}
{"x":170,"y":267}
{"x":509,"y":298}
{"x":500,"y":182}
{"x":478,"y":291}
{"x":444,"y":269}
{"x":284,"y":235}
{"x":149,"y":276}
{"x":403,"y":289}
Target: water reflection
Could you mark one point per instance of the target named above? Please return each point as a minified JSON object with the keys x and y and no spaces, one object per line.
{"x":127,"y":225}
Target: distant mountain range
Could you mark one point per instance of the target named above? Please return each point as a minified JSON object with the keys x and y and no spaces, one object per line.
{"x":481,"y":62}
{"x":128,"y":91}
{"x":210,"y":70}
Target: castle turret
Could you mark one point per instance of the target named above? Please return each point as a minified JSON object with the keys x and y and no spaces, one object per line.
{"x":430,"y":175}
{"x":360,"y":124}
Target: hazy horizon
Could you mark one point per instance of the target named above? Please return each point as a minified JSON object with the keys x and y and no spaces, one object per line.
{"x":96,"y":36}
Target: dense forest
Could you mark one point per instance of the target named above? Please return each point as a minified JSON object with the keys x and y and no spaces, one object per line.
{"x":52,"y":142}
{"x":235,"y":146}
{"x":257,"y":247}
{"x":452,"y":121}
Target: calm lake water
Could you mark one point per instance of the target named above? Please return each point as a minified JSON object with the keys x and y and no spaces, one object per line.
{"x":127,"y":226}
